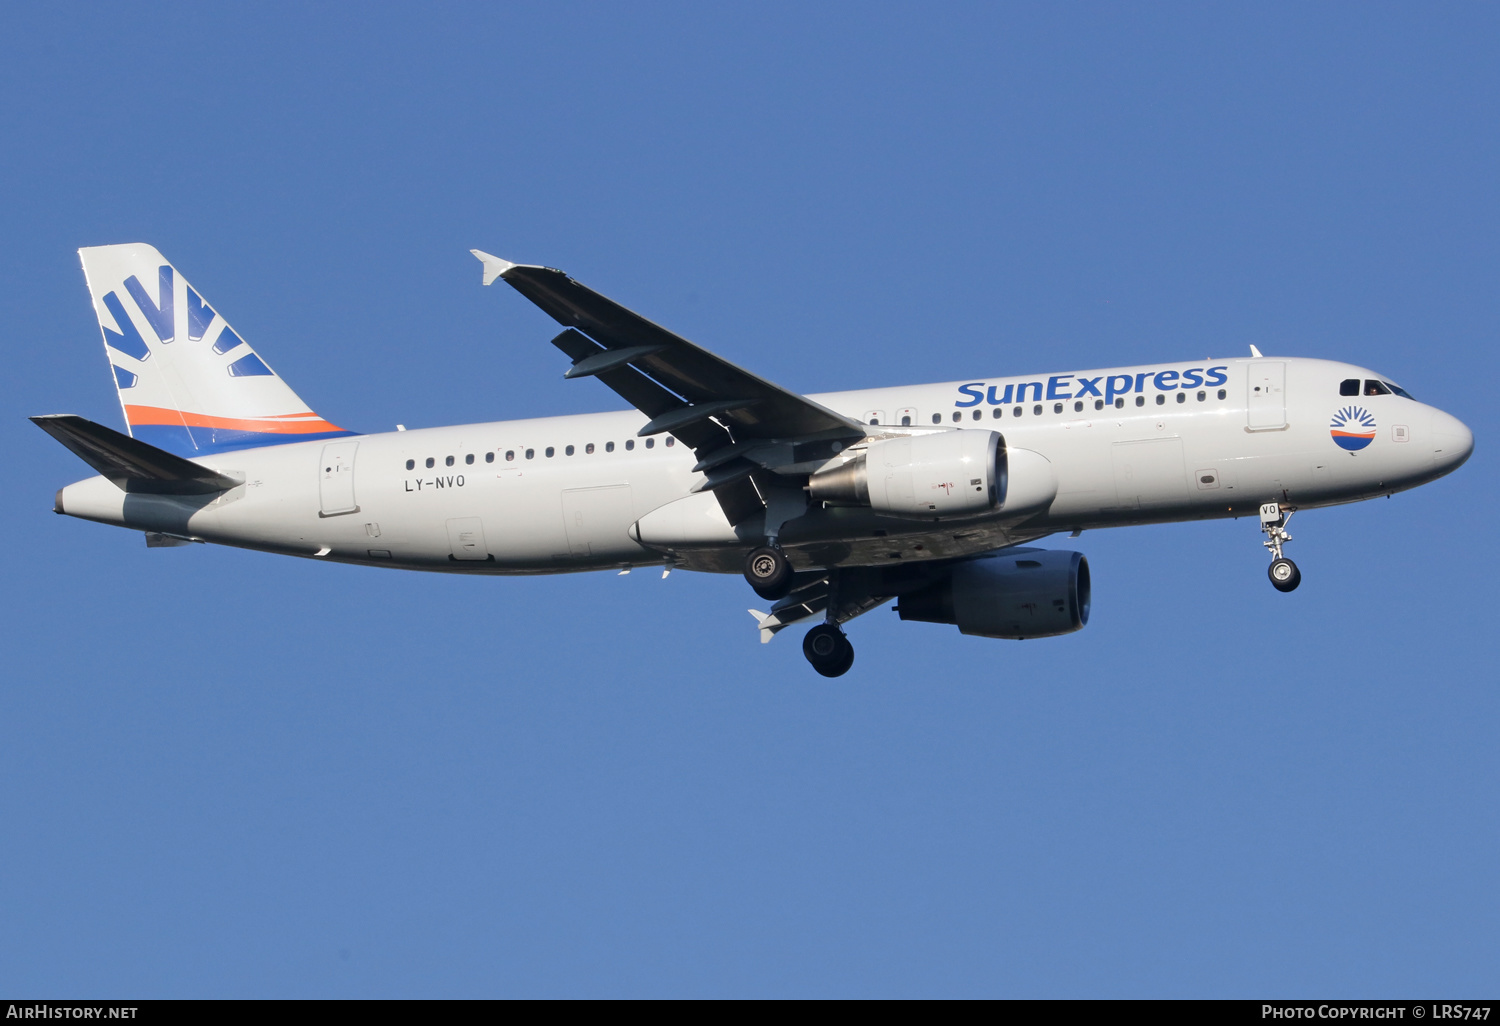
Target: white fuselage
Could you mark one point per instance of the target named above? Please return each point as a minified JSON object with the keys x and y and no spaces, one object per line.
{"x":563,"y":494}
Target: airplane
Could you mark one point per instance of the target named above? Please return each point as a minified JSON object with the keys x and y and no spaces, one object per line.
{"x":829,"y":505}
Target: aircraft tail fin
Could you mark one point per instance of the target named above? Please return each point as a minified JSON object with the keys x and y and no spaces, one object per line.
{"x":188,"y":383}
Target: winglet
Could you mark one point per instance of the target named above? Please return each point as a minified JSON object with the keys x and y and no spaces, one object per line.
{"x":1253,"y":351}
{"x":494,"y":267}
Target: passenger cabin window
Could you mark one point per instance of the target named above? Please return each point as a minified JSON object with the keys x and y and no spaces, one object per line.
{"x":629,"y":444}
{"x":1098,"y":404}
{"x":510,"y":454}
{"x":937,"y":418}
{"x":489,"y":457}
{"x":431,"y":463}
{"x":568,"y":451}
{"x":1202,"y":396}
{"x":1161,"y":399}
{"x":956,"y":416}
{"x":609,"y":446}
{"x":906,"y":422}
{"x":1182,"y":397}
{"x":1078,"y":407}
{"x":1057,"y":407}
{"x":1119,"y":404}
{"x":978,"y":414}
{"x":411,"y":464}
{"x":651,"y":443}
{"x":1373,"y":387}
{"x":551,"y":452}
{"x":1018,"y":411}
{"x":1140,"y":400}
{"x":999,"y":412}
{"x":448,"y":462}
{"x":469,"y":460}
{"x":671,"y":441}
{"x":531,"y":454}
{"x":1037,"y":410}
{"x":1223,"y":394}
{"x":1349,"y":386}
{"x":588,"y":450}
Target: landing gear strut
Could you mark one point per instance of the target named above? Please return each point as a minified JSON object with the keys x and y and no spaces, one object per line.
{"x":766,"y":567}
{"x":829,"y":650}
{"x":769,"y":573}
{"x":1283,"y":572}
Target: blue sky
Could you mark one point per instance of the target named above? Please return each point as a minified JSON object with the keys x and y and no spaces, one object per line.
{"x":231,"y":774}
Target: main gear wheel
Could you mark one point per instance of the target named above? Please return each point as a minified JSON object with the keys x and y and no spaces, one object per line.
{"x":829,"y":650}
{"x":769,"y":573}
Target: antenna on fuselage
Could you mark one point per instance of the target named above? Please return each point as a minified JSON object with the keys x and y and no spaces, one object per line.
{"x":1255,"y":352}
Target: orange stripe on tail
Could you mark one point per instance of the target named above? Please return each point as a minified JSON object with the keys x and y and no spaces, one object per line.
{"x":283,"y":424}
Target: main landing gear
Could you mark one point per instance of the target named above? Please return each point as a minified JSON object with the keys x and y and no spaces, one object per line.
{"x":769,"y":573}
{"x":829,"y":650}
{"x":826,"y":646}
{"x":1283,"y":572}
{"x":766,"y":567}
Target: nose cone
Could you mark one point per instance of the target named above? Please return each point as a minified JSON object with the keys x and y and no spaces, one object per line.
{"x":1452,"y":441}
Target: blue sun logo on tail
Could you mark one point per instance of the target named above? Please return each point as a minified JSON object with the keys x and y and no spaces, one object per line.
{"x":1353,"y":428}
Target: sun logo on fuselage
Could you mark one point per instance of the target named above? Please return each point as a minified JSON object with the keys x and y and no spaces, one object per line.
{"x":1353,"y":428}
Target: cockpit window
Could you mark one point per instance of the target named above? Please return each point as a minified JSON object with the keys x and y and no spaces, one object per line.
{"x":1349,"y":386}
{"x":1373,"y":387}
{"x":1403,"y":393}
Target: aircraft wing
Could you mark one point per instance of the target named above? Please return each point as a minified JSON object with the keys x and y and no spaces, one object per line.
{"x":694,"y":385}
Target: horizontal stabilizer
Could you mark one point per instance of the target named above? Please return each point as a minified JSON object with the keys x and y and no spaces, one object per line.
{"x":131,"y":464}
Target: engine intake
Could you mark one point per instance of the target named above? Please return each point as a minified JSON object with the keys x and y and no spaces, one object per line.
{"x":943,"y":474}
{"x":1024,"y":593}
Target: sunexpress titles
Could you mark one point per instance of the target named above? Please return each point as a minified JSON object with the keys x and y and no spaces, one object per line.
{"x":1106,"y":387}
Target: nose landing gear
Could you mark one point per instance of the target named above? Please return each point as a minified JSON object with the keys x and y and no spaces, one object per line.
{"x":829,"y":650}
{"x":1283,"y":572}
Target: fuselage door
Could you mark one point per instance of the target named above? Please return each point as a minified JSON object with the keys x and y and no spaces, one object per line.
{"x":336,"y":479}
{"x":1266,"y":395}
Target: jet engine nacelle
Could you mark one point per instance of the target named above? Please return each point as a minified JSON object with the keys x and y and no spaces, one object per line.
{"x":943,"y":474}
{"x":1024,"y":593}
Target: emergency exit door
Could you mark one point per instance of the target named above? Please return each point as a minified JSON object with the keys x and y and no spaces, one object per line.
{"x":336,"y":479}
